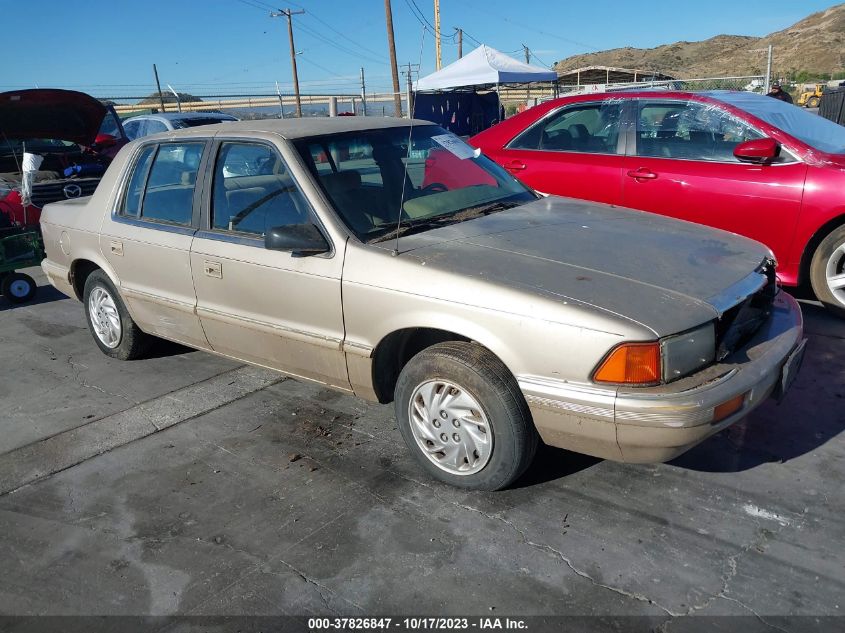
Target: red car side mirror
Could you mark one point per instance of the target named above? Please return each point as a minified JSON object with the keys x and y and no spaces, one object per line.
{"x":105,"y":140}
{"x":760,"y":151}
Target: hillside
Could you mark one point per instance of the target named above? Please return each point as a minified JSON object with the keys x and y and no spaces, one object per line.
{"x":815,"y":46}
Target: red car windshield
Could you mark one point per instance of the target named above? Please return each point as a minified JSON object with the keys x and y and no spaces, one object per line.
{"x":815,"y":131}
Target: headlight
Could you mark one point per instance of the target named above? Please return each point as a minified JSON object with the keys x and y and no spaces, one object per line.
{"x":684,"y":353}
{"x":658,"y":361}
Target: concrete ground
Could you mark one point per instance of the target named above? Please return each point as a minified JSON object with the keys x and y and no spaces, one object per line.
{"x":185,"y":484}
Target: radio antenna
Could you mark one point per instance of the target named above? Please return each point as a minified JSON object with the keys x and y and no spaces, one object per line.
{"x":411,"y":107}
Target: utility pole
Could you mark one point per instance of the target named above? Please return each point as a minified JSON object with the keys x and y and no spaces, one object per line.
{"x":768,"y":70}
{"x":158,"y":87}
{"x":363,"y":94}
{"x":289,"y":15}
{"x":460,"y":42}
{"x":437,"y":55}
{"x":410,"y":95}
{"x":397,"y":97}
{"x":527,"y":86}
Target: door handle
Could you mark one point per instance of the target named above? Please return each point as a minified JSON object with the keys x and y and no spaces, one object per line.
{"x":515,"y":165}
{"x":642,"y":174}
{"x":116,"y":247}
{"x":213,"y":269}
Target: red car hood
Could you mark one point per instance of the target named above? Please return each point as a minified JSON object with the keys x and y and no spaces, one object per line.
{"x":64,"y":115}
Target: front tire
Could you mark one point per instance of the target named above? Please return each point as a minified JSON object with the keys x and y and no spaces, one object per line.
{"x":18,"y":287}
{"x":114,"y":331}
{"x":827,"y":272}
{"x":464,"y":418}
{"x":813,"y":102}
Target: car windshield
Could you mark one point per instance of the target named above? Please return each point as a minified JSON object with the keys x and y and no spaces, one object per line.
{"x":432,"y":175}
{"x":815,"y":131}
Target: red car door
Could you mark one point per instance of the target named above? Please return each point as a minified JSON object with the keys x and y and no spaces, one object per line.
{"x":681,"y":164}
{"x":572,"y":151}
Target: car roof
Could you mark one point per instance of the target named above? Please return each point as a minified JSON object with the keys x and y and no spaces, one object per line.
{"x":297,"y":128}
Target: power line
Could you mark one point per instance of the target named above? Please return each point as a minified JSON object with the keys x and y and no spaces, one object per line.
{"x":263,"y":6}
{"x":257,"y":4}
{"x":535,"y":56}
{"x":340,"y":47}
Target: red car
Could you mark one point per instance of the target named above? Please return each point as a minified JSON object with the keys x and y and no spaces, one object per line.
{"x":76,"y":137}
{"x":737,"y":161}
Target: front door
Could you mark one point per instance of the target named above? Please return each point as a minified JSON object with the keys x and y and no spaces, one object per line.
{"x":682,"y":165}
{"x":147,"y":240}
{"x":265,"y":306}
{"x":574,"y":151}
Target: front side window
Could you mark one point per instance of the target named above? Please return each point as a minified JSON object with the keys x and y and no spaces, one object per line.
{"x":591,"y":128}
{"x":425,"y":175}
{"x":169,"y":191}
{"x":253,"y":191}
{"x":689,"y":130}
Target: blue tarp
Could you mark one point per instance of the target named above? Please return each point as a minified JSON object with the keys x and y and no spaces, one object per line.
{"x":462,"y":113}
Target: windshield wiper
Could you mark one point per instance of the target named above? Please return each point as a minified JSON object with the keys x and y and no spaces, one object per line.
{"x":409,"y":228}
{"x":463,"y":215}
{"x":483,"y":209}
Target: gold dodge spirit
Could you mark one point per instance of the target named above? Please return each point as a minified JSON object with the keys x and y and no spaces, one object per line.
{"x":389,"y":259}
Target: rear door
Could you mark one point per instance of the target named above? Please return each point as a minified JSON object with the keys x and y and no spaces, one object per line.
{"x":147,"y":239}
{"x":681,"y":164}
{"x":575,"y":151}
{"x":265,"y":306}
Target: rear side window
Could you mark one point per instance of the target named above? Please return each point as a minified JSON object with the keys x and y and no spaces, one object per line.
{"x":253,"y":191}
{"x":135,"y":189}
{"x":154,"y":127}
{"x":690,"y":131}
{"x":591,"y":128}
{"x":161,"y":188}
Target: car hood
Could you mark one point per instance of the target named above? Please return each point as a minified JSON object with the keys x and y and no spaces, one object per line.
{"x":665,"y":274}
{"x":64,"y":115}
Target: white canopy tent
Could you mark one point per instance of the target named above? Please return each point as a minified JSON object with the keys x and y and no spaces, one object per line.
{"x":485,"y":66}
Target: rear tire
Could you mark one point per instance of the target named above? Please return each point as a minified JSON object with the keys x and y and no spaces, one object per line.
{"x":463,"y":417}
{"x":113,"y":330}
{"x":18,"y":287}
{"x":827,"y":272}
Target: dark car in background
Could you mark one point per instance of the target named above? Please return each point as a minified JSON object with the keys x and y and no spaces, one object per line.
{"x":736,"y":161}
{"x":146,"y":124}
{"x":76,"y":137}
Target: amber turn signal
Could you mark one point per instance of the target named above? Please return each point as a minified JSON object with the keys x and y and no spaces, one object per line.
{"x":631,"y":363}
{"x":728,"y":407}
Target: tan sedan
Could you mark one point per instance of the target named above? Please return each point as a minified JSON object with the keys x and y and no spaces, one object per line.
{"x":391,"y":260}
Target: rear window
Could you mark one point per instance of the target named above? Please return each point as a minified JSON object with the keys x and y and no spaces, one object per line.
{"x":196,"y":122}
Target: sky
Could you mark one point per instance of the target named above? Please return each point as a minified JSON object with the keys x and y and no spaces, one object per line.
{"x":107,"y":47}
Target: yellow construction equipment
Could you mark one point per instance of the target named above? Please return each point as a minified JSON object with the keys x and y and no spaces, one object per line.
{"x":812,"y":98}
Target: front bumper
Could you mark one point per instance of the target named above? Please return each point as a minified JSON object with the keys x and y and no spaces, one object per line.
{"x":656,"y":424}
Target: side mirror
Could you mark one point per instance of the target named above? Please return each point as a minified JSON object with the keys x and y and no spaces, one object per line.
{"x":760,"y":151}
{"x":301,"y":240}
